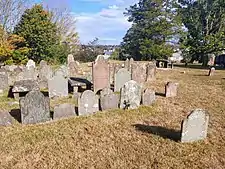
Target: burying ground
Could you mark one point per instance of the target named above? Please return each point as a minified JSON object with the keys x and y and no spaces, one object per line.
{"x":142,"y":138}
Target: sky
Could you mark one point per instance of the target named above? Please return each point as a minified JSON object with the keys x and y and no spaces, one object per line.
{"x":103,"y":19}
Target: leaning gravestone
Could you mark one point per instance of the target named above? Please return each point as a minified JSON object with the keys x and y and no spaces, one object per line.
{"x":151,"y":72}
{"x":64,"y":111}
{"x":148,"y":97}
{"x":35,"y":108}
{"x":139,"y":73}
{"x":5,"y":119}
{"x":100,"y":73}
{"x":171,"y":89}
{"x":110,"y":101}
{"x":130,"y":96}
{"x":121,"y":77}
{"x":195,"y":126}
{"x":30,"y":64}
{"x":58,"y":86}
{"x":88,"y":103}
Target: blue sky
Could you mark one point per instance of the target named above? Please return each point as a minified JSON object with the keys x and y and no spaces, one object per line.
{"x":98,"y":18}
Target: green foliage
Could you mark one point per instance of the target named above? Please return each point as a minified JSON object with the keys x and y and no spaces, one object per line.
{"x":155,"y":24}
{"x":205,"y":23}
{"x":115,"y":54}
{"x":38,"y":31}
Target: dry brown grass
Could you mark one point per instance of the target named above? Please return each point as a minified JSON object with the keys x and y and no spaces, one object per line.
{"x":142,"y":138}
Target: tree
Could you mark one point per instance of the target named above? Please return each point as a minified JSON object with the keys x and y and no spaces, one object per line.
{"x":156,"y":25}
{"x":39,"y":32}
{"x":205,"y":24}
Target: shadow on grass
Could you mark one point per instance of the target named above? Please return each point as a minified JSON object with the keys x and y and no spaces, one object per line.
{"x":16,"y":114}
{"x":160,"y":94}
{"x":160,"y":131}
{"x":200,"y":75}
{"x":193,"y":66}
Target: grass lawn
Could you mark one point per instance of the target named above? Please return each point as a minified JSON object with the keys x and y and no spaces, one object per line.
{"x":142,"y":138}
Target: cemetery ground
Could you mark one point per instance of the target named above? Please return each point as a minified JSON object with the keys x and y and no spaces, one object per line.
{"x":147,"y":137}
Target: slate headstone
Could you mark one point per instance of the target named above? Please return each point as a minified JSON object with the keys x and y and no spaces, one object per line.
{"x":88,"y":103}
{"x":110,"y":101}
{"x":148,"y":97}
{"x":121,"y":77}
{"x":35,"y":108}
{"x":195,"y":126}
{"x":58,"y":86}
{"x":130,"y":95}
{"x":64,"y":111}
{"x":171,"y":89}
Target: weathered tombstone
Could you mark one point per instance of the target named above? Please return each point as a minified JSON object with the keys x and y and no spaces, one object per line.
{"x":211,"y":71}
{"x":195,"y":126}
{"x":139,"y":73}
{"x":62,"y":70}
{"x":121,"y":77}
{"x":4,"y":81}
{"x":148,"y":97}
{"x":45,"y":71}
{"x":58,"y":86}
{"x":35,"y":108}
{"x":127,"y":64}
{"x":88,"y":103}
{"x":100,"y":73}
{"x":30,"y":64}
{"x":151,"y":72}
{"x":171,"y":89}
{"x":70,"y":58}
{"x":130,"y":95}
{"x":131,"y":63}
{"x":73,"y":69}
{"x":27,"y":74}
{"x":64,"y":111}
{"x":110,"y":101}
{"x":106,"y":91}
{"x":5,"y":119}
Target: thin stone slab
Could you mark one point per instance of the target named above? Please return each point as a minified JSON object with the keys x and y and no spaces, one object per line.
{"x":195,"y":126}
{"x":171,"y":89}
{"x":64,"y":111}
{"x":4,"y":81}
{"x":88,"y":103}
{"x":110,"y":101}
{"x":25,"y":86}
{"x":148,"y":97}
{"x":100,"y":73}
{"x":130,"y":95}
{"x":121,"y":77}
{"x":30,"y":64}
{"x":5,"y":119}
{"x":35,"y":108}
{"x":58,"y":86}
{"x":139,"y":73}
{"x":151,"y":72}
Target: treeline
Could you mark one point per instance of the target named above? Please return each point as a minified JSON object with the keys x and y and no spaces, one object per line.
{"x":198,"y":26}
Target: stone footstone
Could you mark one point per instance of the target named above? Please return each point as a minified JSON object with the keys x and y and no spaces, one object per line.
{"x":64,"y":111}
{"x":195,"y":126}
{"x":171,"y":89}
{"x":148,"y":97}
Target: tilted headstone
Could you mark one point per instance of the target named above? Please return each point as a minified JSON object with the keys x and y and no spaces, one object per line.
{"x":5,"y":119}
{"x":30,"y":64}
{"x":130,"y":95}
{"x":100,"y":73}
{"x":58,"y":86}
{"x":110,"y":101}
{"x":70,"y":59}
{"x":148,"y":97}
{"x":211,"y":71}
{"x":171,"y":89}
{"x":64,"y":111}
{"x":106,"y":91}
{"x":88,"y":103}
{"x":121,"y":77}
{"x":139,"y":73}
{"x":35,"y":108}
{"x":195,"y":126}
{"x":151,"y":72}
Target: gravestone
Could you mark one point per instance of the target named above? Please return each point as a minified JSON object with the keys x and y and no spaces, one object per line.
{"x":62,"y":70}
{"x":27,"y":74}
{"x":151,"y":72}
{"x":73,"y":69}
{"x":4,"y":81}
{"x":70,"y":59}
{"x":5,"y":119}
{"x":148,"y":97}
{"x":100,"y":73}
{"x":127,"y":64}
{"x":35,"y":108}
{"x":58,"y":86}
{"x":25,"y":86}
{"x":110,"y":101}
{"x":64,"y":111}
{"x":30,"y":64}
{"x":195,"y":126}
{"x":88,"y":103}
{"x":139,"y":73}
{"x":106,"y":91}
{"x":130,"y":95}
{"x":45,"y":72}
{"x":121,"y":77}
{"x":100,"y":58}
{"x":131,"y":63}
{"x":211,"y":71}
{"x":112,"y":73}
{"x":171,"y":89}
